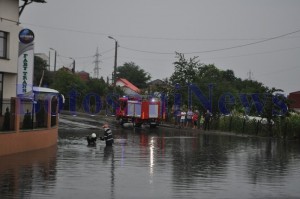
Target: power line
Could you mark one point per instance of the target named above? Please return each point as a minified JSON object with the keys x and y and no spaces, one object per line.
{"x":106,"y":51}
{"x":215,"y":50}
{"x":279,"y":71}
{"x":257,"y":53}
{"x":145,"y":37}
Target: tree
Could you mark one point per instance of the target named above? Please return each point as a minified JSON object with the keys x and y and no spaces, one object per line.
{"x":221,"y":82}
{"x":97,"y":86}
{"x":134,"y":74}
{"x":27,"y":2}
{"x":269,"y":107}
{"x":186,"y":71}
{"x":41,"y":74}
{"x":209,"y":72}
{"x":65,"y":82}
{"x":71,"y":86}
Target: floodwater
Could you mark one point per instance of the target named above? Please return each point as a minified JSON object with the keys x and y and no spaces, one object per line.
{"x":153,"y":163}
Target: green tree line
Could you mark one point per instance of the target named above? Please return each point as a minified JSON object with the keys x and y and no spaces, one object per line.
{"x":186,"y":71}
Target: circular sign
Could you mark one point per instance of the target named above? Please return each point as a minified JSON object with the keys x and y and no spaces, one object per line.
{"x":26,"y":36}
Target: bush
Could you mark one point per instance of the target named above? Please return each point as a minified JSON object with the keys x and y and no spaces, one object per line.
{"x":283,"y":127}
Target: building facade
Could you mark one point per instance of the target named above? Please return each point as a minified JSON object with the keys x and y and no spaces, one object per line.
{"x":294,"y":99}
{"x":84,"y":76}
{"x":9,"y":46}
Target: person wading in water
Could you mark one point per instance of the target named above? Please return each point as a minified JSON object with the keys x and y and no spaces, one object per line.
{"x":108,"y":136}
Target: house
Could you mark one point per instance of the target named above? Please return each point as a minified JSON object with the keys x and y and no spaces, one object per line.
{"x":83,"y":75}
{"x":294,"y":98}
{"x":128,"y":87}
{"x":9,"y":47}
{"x":65,"y":69}
{"x":18,"y":97}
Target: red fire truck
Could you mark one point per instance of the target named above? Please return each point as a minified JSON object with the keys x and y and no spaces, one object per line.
{"x":139,"y":111}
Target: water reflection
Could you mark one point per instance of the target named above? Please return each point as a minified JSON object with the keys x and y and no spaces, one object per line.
{"x":109,"y":154}
{"x":21,"y":173}
{"x":211,"y":164}
{"x":157,"y":163}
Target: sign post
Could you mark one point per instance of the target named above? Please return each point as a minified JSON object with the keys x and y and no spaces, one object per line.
{"x":25,"y":61}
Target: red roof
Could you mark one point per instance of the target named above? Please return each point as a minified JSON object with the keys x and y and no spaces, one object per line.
{"x":296,"y":92}
{"x":129,"y":85}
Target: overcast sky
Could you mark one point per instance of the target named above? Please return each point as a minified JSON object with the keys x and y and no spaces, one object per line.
{"x":257,"y":39}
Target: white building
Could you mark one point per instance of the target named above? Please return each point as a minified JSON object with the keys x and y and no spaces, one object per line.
{"x":9,"y":46}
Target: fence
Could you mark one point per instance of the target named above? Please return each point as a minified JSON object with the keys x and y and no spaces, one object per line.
{"x":31,"y":114}
{"x":283,"y":127}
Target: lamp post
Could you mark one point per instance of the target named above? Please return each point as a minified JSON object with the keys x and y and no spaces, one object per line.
{"x":55,"y":54}
{"x":49,"y":60}
{"x":116,"y":55}
{"x":73,"y":68}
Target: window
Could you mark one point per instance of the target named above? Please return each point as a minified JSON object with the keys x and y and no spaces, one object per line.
{"x":3,"y":44}
{"x":1,"y":92}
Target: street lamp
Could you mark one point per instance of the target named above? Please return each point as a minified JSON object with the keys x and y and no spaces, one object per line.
{"x":73,"y":68}
{"x":55,"y":54}
{"x":116,"y":55}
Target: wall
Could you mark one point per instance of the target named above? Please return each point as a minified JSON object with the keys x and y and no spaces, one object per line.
{"x":9,"y":10}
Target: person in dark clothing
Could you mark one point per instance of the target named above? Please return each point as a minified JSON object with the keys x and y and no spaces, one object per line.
{"x":91,"y":139}
{"x":6,"y":123}
{"x":207,"y":116}
{"x":108,"y":137}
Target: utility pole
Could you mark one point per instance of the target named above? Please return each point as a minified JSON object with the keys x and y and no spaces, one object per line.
{"x":97,"y":61}
{"x":73,"y":69}
{"x":115,"y":64}
{"x":55,"y":54}
{"x":49,"y":61}
{"x":250,"y":74}
{"x":55,"y":60}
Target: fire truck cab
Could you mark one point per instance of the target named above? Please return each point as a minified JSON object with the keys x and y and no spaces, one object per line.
{"x":139,"y":111}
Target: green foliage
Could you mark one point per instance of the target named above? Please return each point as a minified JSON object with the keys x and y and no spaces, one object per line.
{"x":269,"y":107}
{"x":97,"y":86}
{"x":40,"y":67}
{"x":205,"y":76}
{"x":293,"y":126}
{"x":134,"y":74}
{"x":186,"y":71}
{"x":283,"y":127}
{"x":65,"y":82}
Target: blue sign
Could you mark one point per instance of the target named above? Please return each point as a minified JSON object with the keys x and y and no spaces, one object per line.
{"x":26,"y":36}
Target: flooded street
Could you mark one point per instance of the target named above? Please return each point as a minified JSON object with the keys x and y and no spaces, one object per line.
{"x":153,"y":163}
